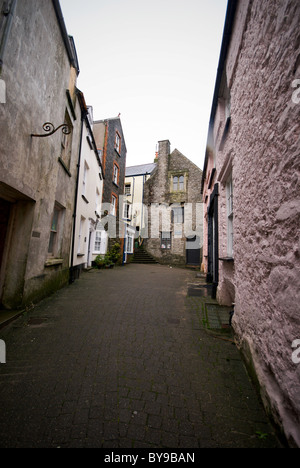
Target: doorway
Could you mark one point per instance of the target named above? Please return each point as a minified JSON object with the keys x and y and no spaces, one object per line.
{"x":193,"y":250}
{"x":213,"y":242}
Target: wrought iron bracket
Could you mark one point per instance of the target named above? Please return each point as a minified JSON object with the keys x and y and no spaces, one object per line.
{"x":50,"y":129}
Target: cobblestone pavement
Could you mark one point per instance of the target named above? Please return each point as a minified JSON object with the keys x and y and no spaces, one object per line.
{"x":121,"y":359}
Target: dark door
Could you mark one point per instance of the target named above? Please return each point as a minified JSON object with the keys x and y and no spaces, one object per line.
{"x":4,"y":218}
{"x":193,"y":250}
{"x":213,"y":242}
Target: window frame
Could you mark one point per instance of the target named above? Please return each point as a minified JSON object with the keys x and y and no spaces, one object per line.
{"x":116,"y":174}
{"x":98,"y":235}
{"x":129,"y":244}
{"x":230,"y":214}
{"x":176,"y":217}
{"x":113,"y":210}
{"x":127,"y":211}
{"x":84,"y":179}
{"x":166,"y":242}
{"x":66,"y":142}
{"x":175,"y":184}
{"x":81,"y":230}
{"x":127,"y":185}
{"x":118,"y":142}
{"x":178,"y":182}
{"x":55,"y":230}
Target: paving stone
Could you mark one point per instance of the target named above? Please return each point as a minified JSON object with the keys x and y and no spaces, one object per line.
{"x":125,"y":358}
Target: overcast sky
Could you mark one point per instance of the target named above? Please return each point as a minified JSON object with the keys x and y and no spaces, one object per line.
{"x":155,"y":63}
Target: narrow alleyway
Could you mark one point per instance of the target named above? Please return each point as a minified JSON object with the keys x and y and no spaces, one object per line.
{"x":121,"y":359}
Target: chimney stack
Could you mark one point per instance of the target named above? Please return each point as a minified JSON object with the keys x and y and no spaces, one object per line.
{"x":164,"y":149}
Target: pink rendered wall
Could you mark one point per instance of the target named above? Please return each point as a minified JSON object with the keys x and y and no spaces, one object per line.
{"x":263,"y":150}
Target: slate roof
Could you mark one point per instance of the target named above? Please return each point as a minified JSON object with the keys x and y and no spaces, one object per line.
{"x":140,"y":170}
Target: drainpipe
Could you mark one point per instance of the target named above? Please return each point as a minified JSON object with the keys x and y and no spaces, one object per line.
{"x":72,"y":279}
{"x":9,"y":13}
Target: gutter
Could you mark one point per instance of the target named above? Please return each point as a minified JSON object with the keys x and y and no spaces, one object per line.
{"x":229,"y":21}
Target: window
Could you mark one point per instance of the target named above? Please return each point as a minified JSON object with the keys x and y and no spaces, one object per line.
{"x":116,"y":174}
{"x":175,"y":184}
{"x":178,"y":215}
{"x":178,"y":183}
{"x":53,"y":247}
{"x":113,"y":209}
{"x":118,"y":143}
{"x":127,"y":189}
{"x":81,"y":227}
{"x":165,"y":243}
{"x":84,"y":181}
{"x":126,"y":211}
{"x":97,"y":202}
{"x":129,"y":244}
{"x":229,"y":195}
{"x":98,"y":238}
{"x":66,"y":142}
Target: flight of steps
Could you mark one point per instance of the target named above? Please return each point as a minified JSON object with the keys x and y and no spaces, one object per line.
{"x":141,"y":256}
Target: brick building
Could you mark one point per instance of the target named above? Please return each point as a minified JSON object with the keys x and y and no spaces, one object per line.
{"x":173,"y":201}
{"x":251,"y":182}
{"x":111,"y":145}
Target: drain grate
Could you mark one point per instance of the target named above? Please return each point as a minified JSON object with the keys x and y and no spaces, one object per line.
{"x":217,"y":316}
{"x":200,"y":291}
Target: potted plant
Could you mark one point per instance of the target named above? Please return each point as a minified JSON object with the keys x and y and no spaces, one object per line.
{"x":99,"y":261}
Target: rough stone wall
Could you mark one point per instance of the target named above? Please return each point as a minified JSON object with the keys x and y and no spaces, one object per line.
{"x":37,"y":72}
{"x":263,"y":148}
{"x":159,"y":196}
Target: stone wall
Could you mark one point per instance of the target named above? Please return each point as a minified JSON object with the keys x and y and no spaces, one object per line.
{"x":159,"y":198}
{"x":37,"y":70}
{"x":262,"y":151}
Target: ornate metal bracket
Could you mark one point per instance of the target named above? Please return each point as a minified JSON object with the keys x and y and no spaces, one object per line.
{"x":50,"y":129}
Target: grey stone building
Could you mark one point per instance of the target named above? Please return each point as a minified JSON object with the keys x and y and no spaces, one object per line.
{"x":173,"y":201}
{"x":38,"y":163}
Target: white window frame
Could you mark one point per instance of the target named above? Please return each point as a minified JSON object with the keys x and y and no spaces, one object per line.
{"x":116,"y":174}
{"x":113,"y":210}
{"x":97,"y":241}
{"x":127,"y":210}
{"x":129,"y":244}
{"x":118,"y":143}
